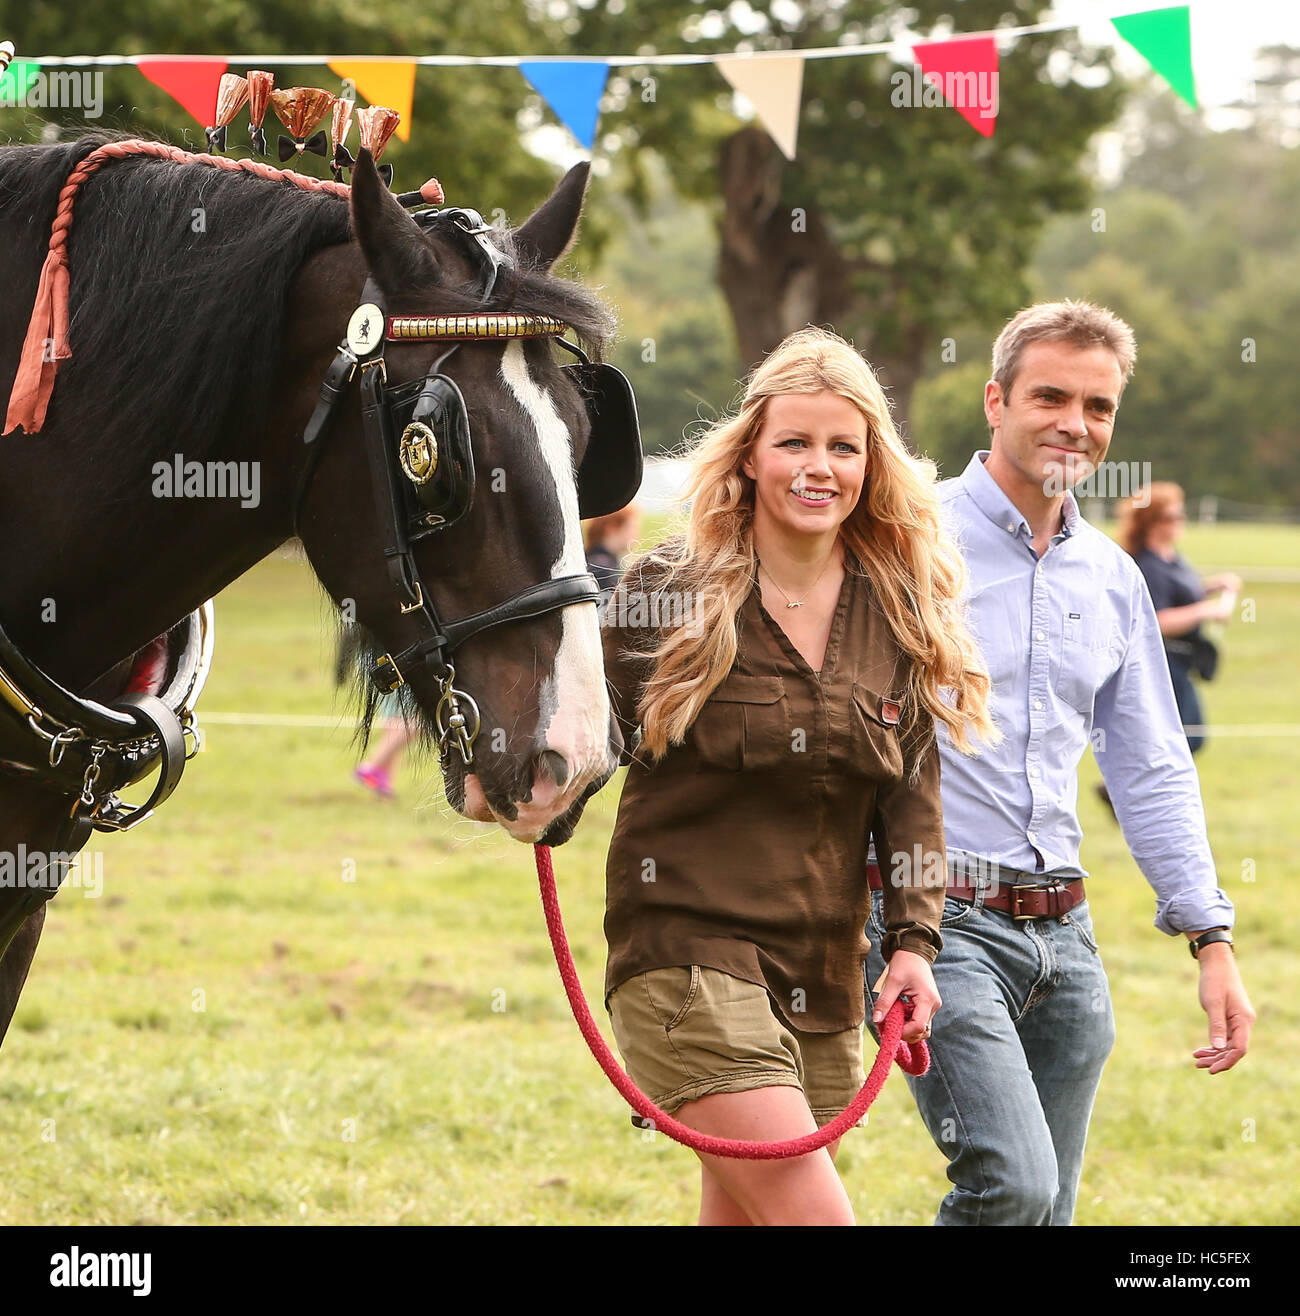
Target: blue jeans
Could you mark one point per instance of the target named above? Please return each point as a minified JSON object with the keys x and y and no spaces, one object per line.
{"x":1015,"y":1060}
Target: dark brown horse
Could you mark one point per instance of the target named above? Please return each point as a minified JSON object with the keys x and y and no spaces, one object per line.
{"x":206,"y":308}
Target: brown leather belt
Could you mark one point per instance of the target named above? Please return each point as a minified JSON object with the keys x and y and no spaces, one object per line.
{"x":1022,"y":900}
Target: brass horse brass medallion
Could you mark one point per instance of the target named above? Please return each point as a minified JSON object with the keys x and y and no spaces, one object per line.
{"x":418,"y":452}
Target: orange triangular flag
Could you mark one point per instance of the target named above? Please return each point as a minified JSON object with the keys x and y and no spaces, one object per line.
{"x":388,"y":82}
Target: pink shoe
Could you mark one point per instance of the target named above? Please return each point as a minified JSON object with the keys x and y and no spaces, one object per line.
{"x":375,"y":779}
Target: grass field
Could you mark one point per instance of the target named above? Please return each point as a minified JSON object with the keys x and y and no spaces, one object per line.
{"x":293,"y":1003}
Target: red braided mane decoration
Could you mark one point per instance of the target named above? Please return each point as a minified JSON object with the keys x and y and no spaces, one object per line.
{"x":46,"y":343}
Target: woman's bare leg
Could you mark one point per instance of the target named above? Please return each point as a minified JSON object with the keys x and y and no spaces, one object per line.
{"x":803,"y":1191}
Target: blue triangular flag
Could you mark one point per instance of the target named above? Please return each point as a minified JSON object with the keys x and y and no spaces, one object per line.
{"x":573,"y":90}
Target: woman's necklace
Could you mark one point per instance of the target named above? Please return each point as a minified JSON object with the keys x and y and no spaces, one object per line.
{"x":797,"y":603}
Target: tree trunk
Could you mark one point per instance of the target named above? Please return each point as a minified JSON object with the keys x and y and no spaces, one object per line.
{"x":780,"y":269}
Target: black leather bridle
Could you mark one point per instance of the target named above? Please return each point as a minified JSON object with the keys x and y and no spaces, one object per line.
{"x":400,"y":519}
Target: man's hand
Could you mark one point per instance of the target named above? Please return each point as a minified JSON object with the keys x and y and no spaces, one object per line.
{"x":908,"y":974}
{"x":1224,"y":1000}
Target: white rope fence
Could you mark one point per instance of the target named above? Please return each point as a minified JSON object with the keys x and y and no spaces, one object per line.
{"x":310,"y":720}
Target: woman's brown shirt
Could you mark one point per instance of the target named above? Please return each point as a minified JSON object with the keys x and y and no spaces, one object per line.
{"x":745,"y":848}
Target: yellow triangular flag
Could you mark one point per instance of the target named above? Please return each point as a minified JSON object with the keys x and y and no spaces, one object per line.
{"x":383,"y":82}
{"x":773,"y":87}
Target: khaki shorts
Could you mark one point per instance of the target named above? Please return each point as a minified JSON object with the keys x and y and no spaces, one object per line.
{"x":692,"y":1031}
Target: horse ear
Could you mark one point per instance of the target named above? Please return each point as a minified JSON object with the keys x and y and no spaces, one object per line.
{"x":543,"y":236}
{"x":397,"y":252}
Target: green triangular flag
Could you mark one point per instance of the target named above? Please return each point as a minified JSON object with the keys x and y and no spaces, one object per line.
{"x":1163,"y":37}
{"x":17,"y":80}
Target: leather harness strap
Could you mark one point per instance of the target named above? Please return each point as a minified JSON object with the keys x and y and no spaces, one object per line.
{"x":68,"y":842}
{"x":155,"y":719}
{"x":332,"y":389}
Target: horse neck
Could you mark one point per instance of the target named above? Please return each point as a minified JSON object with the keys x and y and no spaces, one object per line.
{"x":90,"y":579}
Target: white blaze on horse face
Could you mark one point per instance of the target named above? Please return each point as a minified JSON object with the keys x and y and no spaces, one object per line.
{"x":574,"y":694}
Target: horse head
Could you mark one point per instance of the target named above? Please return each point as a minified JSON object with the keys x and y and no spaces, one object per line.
{"x":506,"y":429}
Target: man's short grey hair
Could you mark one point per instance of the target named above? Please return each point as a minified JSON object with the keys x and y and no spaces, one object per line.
{"x":1079,"y":323}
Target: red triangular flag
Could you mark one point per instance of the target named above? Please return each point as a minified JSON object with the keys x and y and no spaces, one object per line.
{"x":192,"y":82}
{"x":966,"y":71}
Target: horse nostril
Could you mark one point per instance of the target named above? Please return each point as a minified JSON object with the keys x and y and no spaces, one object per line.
{"x":555,"y":765}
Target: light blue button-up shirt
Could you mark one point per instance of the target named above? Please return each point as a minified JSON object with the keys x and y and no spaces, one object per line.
{"x":1074,"y":652}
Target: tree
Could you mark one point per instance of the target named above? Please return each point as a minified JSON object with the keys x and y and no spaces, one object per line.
{"x":895,"y":225}
{"x":465,"y":121}
{"x":1196,"y":246}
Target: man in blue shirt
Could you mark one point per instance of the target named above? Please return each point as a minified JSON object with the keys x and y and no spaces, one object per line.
{"x":1074,"y":653}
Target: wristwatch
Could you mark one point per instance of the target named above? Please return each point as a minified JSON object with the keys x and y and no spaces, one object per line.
{"x":1208,"y":939}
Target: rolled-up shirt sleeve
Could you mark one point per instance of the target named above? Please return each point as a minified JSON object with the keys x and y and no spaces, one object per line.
{"x":910,"y":852}
{"x":1141,"y":748}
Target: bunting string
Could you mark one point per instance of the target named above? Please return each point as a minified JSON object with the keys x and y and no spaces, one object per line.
{"x":771,"y":81}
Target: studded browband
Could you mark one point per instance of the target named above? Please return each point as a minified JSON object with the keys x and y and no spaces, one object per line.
{"x":464,"y":328}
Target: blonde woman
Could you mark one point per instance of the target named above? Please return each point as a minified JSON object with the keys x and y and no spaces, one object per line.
{"x":785,"y":662}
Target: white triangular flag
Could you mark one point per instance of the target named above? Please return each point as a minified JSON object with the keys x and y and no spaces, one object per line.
{"x":773,"y":87}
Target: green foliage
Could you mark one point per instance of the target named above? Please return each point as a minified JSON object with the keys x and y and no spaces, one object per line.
{"x":947,"y":421}
{"x":937,"y":222}
{"x":1198,"y":249}
{"x":676,"y":343}
{"x":464,"y":127}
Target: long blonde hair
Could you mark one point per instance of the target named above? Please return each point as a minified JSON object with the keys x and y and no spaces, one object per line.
{"x":894,"y":532}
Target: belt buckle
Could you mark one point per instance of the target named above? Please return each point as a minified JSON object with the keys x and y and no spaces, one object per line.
{"x":1015,"y":901}
{"x":1056,"y":889}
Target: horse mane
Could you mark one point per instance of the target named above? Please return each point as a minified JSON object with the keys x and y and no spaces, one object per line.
{"x":179,"y":282}
{"x":179,"y":275}
{"x":357,"y":651}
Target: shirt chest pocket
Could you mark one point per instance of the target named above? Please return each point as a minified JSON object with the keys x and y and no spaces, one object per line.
{"x":745,"y":725}
{"x":875,"y":750}
{"x":1088,"y":658}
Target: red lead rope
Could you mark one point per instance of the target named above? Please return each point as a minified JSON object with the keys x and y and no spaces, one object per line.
{"x":914,"y":1058}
